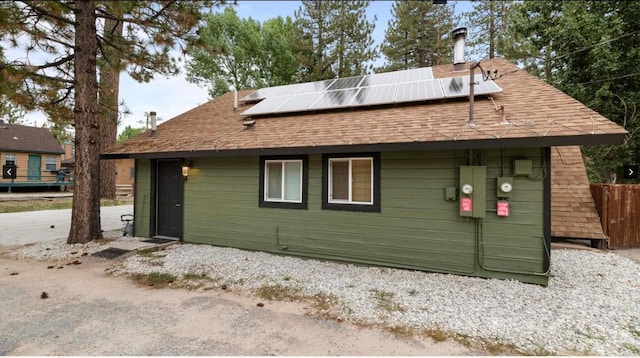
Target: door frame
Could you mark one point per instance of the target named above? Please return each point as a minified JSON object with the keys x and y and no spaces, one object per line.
{"x":153,"y":214}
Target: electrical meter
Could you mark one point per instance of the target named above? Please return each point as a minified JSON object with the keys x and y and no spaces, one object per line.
{"x":504,"y":186}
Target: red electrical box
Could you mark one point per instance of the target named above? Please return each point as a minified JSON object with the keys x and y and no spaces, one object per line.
{"x":466,"y":205}
{"x":503,"y":208}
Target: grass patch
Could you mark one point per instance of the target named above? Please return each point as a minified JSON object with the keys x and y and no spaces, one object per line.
{"x":195,"y":276}
{"x":437,"y":334}
{"x":145,"y":252}
{"x":103,"y":241}
{"x":278,"y":292}
{"x":401,"y":331}
{"x":37,"y":204}
{"x":495,"y":346}
{"x":385,"y":301}
{"x":323,"y":301}
{"x":635,"y":350}
{"x":193,"y":281}
{"x":324,"y":306}
{"x":154,"y":279}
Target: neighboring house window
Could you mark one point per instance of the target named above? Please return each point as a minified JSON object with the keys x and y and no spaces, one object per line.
{"x":10,"y":159}
{"x":132,"y":172}
{"x":283,"y":182}
{"x":51,"y":163}
{"x":351,"y":182}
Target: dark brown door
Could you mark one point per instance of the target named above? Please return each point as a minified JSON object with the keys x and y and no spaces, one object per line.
{"x":170,"y":194}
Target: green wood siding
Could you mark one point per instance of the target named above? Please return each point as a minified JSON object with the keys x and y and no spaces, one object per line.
{"x":415,"y":229}
{"x":142,"y":198}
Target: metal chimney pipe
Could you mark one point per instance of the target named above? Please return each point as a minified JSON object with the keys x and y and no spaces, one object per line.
{"x":235,"y":99}
{"x":459,"y":35}
{"x":152,"y":115}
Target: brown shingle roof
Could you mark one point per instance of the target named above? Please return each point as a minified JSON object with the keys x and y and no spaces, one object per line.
{"x":537,"y":112}
{"x":573,"y":211}
{"x":18,"y":138}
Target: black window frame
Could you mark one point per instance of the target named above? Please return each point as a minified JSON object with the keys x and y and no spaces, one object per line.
{"x":375,"y":206}
{"x":305,"y":183}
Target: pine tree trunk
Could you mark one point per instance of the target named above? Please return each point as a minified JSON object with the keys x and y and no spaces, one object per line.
{"x":492,"y":29}
{"x":85,"y":216}
{"x":109,"y":86}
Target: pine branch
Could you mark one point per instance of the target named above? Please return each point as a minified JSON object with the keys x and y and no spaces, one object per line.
{"x":43,"y":13}
{"x":41,"y":35}
{"x":65,"y":97}
{"x":56,"y":63}
{"x":45,"y":77}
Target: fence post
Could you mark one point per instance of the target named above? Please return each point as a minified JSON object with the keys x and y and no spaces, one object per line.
{"x":605,"y":213}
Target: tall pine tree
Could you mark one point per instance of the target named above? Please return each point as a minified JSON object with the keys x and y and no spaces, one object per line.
{"x":418,"y":35}
{"x":66,"y":37}
{"x":334,"y":39}
{"x":488,"y":25}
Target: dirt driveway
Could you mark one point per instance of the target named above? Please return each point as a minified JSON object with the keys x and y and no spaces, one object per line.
{"x":90,"y":312}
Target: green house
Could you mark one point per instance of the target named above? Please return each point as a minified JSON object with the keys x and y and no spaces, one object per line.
{"x":387,"y":169}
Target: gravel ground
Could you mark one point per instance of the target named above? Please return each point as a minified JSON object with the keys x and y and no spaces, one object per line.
{"x":591,"y":306}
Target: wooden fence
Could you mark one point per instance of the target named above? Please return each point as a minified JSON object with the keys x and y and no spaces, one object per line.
{"x":619,"y":209}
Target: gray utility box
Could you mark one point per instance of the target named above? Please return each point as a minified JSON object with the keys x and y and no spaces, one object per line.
{"x":473,"y":191}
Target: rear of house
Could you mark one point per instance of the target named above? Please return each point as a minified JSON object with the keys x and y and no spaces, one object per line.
{"x":415,"y":185}
{"x":30,"y":157}
{"x":397,"y":212}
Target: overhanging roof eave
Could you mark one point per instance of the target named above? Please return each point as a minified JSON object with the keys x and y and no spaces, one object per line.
{"x":528,"y":142}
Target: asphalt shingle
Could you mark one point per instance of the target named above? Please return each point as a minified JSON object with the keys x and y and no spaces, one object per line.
{"x":19,"y":138}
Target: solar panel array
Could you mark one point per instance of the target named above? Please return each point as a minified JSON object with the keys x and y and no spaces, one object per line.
{"x":378,"y":89}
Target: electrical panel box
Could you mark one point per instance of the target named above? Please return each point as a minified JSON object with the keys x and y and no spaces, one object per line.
{"x":522,"y":167}
{"x":504,"y":187}
{"x":450,"y":193}
{"x":473,"y":191}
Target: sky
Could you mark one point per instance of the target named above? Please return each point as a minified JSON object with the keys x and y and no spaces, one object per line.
{"x":169,"y":97}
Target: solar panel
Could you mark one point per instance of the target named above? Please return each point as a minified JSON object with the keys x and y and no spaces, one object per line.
{"x":419,"y":91}
{"x":375,"y":95}
{"x":273,"y":91}
{"x":459,"y":86}
{"x":298,"y":102}
{"x":317,"y":86}
{"x":377,"y":89}
{"x":286,"y":90}
{"x":335,"y":99}
{"x":267,"y":105}
{"x":379,"y":79}
{"x":416,"y":74}
{"x":343,"y":83}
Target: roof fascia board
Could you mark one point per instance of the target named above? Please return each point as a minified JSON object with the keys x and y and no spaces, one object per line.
{"x":530,"y":142}
{"x":9,"y":150}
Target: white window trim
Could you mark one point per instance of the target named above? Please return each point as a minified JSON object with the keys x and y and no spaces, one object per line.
{"x":282,"y":188}
{"x":46,"y":163}
{"x":350,"y":180}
